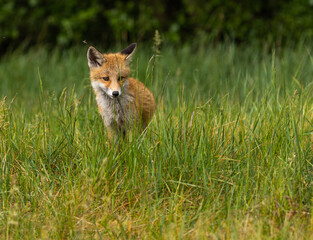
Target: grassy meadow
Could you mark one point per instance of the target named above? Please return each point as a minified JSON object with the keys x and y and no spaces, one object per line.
{"x":228,"y":155}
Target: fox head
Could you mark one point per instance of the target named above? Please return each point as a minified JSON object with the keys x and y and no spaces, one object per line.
{"x":109,"y":72}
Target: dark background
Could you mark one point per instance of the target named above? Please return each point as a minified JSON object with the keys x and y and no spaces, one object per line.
{"x":65,"y":23}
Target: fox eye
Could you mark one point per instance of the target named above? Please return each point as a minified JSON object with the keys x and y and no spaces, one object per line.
{"x":106,"y":78}
{"x":121,"y":78}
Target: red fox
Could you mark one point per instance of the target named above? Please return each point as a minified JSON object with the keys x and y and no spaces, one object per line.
{"x":123,"y":102}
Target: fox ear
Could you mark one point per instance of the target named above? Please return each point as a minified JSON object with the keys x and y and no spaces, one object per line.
{"x":95,"y":58}
{"x":129,"y":51}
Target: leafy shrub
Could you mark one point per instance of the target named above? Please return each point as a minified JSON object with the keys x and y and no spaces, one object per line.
{"x":33,"y":22}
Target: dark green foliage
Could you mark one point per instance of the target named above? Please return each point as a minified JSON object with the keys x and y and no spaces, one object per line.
{"x":70,"y":22}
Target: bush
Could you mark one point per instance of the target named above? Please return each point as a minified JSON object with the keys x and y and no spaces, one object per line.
{"x":68,"y":22}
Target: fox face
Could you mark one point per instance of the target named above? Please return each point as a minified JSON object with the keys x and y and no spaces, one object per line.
{"x":109,"y":72}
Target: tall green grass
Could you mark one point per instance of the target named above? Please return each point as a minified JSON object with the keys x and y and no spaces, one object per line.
{"x":228,"y":154}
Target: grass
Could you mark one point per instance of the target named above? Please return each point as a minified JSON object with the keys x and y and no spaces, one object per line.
{"x":228,"y":154}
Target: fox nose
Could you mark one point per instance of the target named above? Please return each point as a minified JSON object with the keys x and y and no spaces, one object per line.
{"x":115,"y":93}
